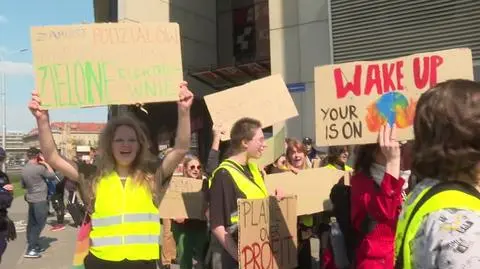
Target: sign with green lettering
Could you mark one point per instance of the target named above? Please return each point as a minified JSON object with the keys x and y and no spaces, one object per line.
{"x":106,"y":63}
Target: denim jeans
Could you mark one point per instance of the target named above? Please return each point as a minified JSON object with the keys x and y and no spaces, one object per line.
{"x":37,"y":218}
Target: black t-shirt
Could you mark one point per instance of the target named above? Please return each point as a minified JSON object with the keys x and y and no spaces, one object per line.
{"x":223,"y":196}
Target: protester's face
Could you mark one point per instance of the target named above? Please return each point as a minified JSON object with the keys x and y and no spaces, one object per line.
{"x":343,"y":158}
{"x":308,"y":147}
{"x":256,"y":146}
{"x":193,"y":169}
{"x":297,"y":158}
{"x":125,"y":145}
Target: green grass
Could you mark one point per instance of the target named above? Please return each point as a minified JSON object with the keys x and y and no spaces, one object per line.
{"x":17,"y":185}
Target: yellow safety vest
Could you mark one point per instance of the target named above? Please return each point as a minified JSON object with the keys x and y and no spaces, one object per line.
{"x":455,"y":198}
{"x":252,"y":189}
{"x":331,"y":166}
{"x":125,"y":221}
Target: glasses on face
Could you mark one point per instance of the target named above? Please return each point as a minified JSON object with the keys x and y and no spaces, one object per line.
{"x":198,"y":167}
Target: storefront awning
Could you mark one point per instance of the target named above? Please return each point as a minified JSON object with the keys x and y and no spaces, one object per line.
{"x":221,"y":78}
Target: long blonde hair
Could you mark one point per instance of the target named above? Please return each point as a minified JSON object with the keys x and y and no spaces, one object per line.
{"x":139,"y":168}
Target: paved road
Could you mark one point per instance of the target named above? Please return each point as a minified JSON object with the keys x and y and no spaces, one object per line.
{"x":60,"y":245}
{"x":59,"y":253}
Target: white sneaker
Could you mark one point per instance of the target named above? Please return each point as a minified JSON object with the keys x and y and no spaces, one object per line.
{"x":33,"y":254}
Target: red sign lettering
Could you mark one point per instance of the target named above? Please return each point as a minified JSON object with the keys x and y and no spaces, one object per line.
{"x":387,"y":77}
{"x":429,"y":74}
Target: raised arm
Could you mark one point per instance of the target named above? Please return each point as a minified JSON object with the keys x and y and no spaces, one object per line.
{"x":182,"y":141}
{"x":214,"y":155}
{"x":47,"y":143}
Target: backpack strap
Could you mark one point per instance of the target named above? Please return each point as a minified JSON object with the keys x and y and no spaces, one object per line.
{"x":440,"y":187}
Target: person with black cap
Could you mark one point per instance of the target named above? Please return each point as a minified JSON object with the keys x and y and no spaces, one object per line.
{"x":7,"y":227}
{"x":33,"y":180}
{"x":312,"y":153}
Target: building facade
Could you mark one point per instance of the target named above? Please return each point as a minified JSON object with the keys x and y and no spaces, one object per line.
{"x":15,"y":147}
{"x":68,"y":136}
{"x":229,"y":42}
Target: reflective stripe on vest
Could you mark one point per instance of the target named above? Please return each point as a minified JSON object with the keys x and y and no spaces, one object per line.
{"x":456,"y":199}
{"x":114,"y":220}
{"x":252,"y":189}
{"x":125,"y":221}
{"x":119,"y":240}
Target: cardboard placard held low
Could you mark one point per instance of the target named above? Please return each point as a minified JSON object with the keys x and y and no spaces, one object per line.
{"x":183,"y":198}
{"x":311,"y":186}
{"x":106,"y":63}
{"x":267,"y":235}
{"x":266,"y":100}
{"x":353,"y":100}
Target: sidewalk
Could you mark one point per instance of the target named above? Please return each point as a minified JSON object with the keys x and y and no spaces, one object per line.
{"x":61,"y":244}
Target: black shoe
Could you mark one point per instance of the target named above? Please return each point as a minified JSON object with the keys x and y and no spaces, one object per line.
{"x":39,"y":249}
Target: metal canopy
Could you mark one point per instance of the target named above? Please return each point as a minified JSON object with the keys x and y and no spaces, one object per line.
{"x":221,"y":78}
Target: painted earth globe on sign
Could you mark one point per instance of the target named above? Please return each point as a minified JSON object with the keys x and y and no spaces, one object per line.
{"x":392,"y":108}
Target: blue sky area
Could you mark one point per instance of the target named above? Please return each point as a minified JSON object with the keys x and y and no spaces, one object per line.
{"x":16,"y":18}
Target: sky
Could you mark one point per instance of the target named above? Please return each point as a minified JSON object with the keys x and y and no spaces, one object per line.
{"x":16,"y":18}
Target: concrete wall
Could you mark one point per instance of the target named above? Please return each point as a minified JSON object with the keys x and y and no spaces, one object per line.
{"x":225,"y":32}
{"x":197,"y":20}
{"x":299,"y":41}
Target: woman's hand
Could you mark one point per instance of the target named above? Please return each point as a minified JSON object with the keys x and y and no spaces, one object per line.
{"x":8,"y":187}
{"x":218,"y":131}
{"x":34,"y":106}
{"x":279,"y":194}
{"x":185,"y":97}
{"x":179,"y":220}
{"x":387,"y":139}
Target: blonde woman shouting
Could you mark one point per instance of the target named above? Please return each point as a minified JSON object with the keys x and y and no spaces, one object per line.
{"x":125,"y":226}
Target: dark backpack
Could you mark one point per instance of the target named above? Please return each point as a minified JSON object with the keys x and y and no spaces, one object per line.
{"x":340,"y":198}
{"x":52,"y":185}
{"x":341,"y":201}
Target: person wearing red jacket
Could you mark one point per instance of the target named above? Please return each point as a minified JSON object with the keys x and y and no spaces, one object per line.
{"x":377,"y":191}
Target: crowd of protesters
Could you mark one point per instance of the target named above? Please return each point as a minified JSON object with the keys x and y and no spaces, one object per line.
{"x":410,"y":204}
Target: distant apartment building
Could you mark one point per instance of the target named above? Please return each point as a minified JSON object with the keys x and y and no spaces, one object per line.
{"x":14,"y":145}
{"x":69,"y":136}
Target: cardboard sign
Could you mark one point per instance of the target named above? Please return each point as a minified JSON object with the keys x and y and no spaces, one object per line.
{"x":183,"y":198}
{"x":267,"y":235}
{"x":266,"y":100}
{"x":311,"y":186}
{"x":353,"y":100}
{"x":275,"y":148}
{"x":106,"y":63}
